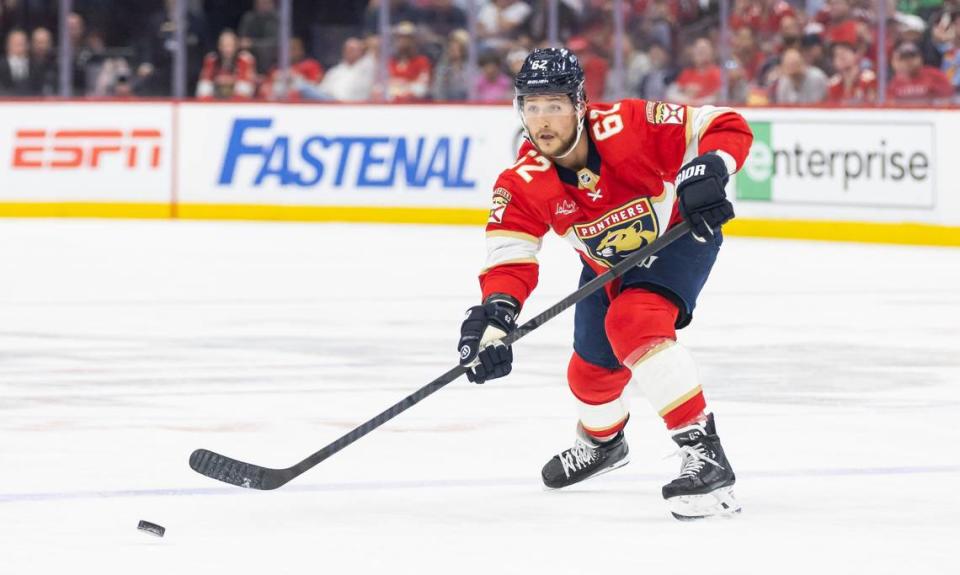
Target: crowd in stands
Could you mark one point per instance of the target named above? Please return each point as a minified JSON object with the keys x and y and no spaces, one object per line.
{"x":776,"y":52}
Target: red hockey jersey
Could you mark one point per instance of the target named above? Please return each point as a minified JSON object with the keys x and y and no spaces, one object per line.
{"x":622,"y":200}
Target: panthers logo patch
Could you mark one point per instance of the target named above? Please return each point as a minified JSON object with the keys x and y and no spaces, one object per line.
{"x":616,"y":234}
{"x":501,"y":198}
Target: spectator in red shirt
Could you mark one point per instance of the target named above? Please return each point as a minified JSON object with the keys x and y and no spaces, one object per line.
{"x":851,"y":84}
{"x":837,"y":19}
{"x":843,"y":31}
{"x":914,"y":83}
{"x":747,"y":53}
{"x":228,"y":72}
{"x":305,"y":75}
{"x":761,"y":16}
{"x":595,"y":67}
{"x":700,"y":83}
{"x":410,"y":71}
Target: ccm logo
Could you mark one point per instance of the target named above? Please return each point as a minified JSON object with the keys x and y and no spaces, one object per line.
{"x":75,"y":149}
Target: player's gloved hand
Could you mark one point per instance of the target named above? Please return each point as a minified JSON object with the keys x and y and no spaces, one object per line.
{"x":480,"y":348}
{"x":703,"y":201}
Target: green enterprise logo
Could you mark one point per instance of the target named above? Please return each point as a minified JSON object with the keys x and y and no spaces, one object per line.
{"x":755,"y":180}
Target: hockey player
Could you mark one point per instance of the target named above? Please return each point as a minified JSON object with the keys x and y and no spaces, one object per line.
{"x":610,"y":179}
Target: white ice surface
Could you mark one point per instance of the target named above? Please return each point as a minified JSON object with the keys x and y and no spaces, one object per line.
{"x":834,"y":370}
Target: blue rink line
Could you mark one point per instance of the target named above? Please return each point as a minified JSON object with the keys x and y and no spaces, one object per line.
{"x":532,"y":481}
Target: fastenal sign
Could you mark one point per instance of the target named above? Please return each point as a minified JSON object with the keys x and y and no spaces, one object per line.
{"x":100,"y":152}
{"x":384,"y":160}
{"x":343,"y":155}
{"x":868,"y":163}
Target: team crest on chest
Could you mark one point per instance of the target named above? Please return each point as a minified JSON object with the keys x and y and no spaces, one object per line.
{"x":587,"y":180}
{"x":616,"y":234}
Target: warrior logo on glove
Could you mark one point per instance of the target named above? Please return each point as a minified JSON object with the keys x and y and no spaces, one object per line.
{"x":703,"y":200}
{"x":691,"y":171}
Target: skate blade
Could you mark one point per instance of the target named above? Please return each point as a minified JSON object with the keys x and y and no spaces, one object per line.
{"x":616,"y":465}
{"x":718,"y":503}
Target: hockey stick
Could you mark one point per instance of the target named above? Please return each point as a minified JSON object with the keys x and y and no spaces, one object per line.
{"x":251,"y":476}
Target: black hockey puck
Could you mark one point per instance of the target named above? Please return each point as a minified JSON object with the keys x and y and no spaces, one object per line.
{"x":151,"y":528}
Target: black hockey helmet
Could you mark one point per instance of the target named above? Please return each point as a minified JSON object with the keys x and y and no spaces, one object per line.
{"x":550,"y":71}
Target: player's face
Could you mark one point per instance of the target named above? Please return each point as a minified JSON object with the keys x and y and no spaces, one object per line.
{"x":551,"y":121}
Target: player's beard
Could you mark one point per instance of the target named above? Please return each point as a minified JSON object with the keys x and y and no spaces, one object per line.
{"x":563,"y":148}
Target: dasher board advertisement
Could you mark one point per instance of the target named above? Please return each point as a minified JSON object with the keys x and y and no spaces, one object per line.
{"x":831,"y":161}
{"x":93,"y":152}
{"x":343,"y":155}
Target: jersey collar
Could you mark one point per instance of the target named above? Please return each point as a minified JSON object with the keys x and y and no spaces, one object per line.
{"x":569,"y":176}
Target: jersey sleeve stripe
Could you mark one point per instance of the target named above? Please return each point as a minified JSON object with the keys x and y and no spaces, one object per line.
{"x":515,"y":235}
{"x":725,"y":132}
{"x":503,"y":250}
{"x":698,"y":122}
{"x":705,"y":116}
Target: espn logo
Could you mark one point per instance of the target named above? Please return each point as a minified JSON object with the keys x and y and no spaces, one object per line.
{"x":78,"y":149}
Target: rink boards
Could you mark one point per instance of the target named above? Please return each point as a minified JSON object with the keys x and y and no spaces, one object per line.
{"x":876,"y":175}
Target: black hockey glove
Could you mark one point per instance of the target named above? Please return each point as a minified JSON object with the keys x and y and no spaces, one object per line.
{"x":703,"y":201}
{"x":480,"y":348}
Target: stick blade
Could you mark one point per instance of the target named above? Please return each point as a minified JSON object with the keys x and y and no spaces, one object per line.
{"x":229,"y":470}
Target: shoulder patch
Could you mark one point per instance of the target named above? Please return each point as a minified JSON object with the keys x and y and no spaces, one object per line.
{"x":663,"y":113}
{"x":501,"y":197}
{"x":651,"y":112}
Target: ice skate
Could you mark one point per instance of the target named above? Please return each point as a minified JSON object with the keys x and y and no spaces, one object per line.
{"x":585,"y":459}
{"x":705,"y":485}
